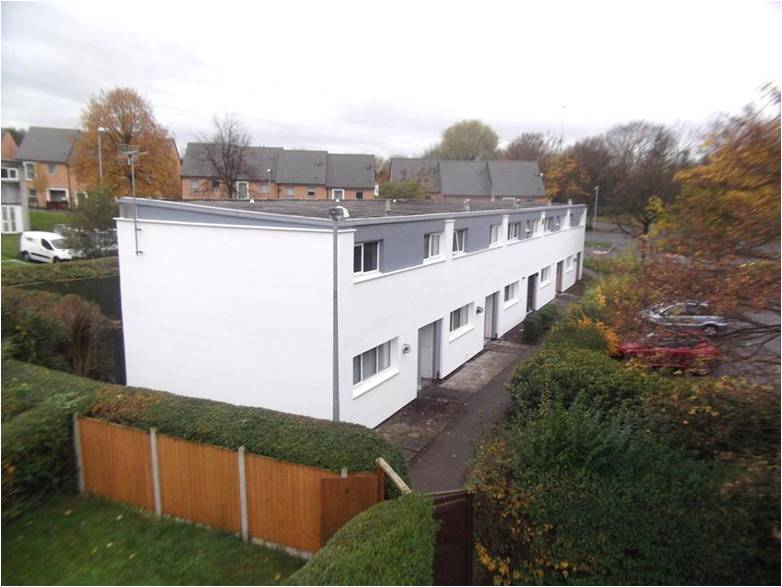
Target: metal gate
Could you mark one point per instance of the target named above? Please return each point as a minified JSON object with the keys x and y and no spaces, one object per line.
{"x":454,"y":546}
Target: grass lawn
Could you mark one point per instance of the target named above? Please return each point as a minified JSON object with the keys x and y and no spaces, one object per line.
{"x":10,"y":246}
{"x":90,"y":541}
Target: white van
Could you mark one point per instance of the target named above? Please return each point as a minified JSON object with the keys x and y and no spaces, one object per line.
{"x":47,"y":247}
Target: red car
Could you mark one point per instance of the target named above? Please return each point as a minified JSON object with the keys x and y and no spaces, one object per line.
{"x":686,"y":352}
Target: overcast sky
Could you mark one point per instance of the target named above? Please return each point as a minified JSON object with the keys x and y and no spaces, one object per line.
{"x":388,"y":77}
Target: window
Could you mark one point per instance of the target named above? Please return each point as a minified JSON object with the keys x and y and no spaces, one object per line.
{"x":242,"y":190}
{"x":531,"y":227}
{"x":511,"y":290}
{"x":10,"y":173}
{"x":58,"y":195}
{"x":432,"y":245}
{"x":47,"y":245}
{"x":459,"y":318}
{"x":371,"y":362}
{"x":571,"y":219}
{"x":338,"y":194}
{"x":264,"y":188}
{"x":215,"y":184}
{"x":310,"y":193}
{"x":290,"y":193}
{"x":548,"y":225}
{"x":193,"y":186}
{"x":366,"y":257}
{"x":359,"y":195}
{"x":514,"y":228}
{"x":52,"y":168}
{"x":494,"y":233}
{"x":569,"y":263}
{"x":545,"y":274}
{"x":29,"y":170}
{"x":459,"y":238}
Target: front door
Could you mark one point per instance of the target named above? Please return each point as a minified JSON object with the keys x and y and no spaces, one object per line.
{"x":427,"y":357}
{"x":578,"y":267}
{"x":532,"y":292}
{"x":559,"y":276}
{"x":490,"y":317}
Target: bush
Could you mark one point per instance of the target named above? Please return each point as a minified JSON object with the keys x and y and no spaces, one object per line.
{"x":29,"y":273}
{"x":561,"y":373}
{"x":538,"y":323}
{"x":297,"y":439}
{"x":61,"y":332}
{"x":584,"y":333}
{"x":573,"y":496}
{"x":391,"y":543}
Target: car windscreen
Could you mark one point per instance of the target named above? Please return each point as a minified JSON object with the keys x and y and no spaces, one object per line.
{"x":58,"y":243}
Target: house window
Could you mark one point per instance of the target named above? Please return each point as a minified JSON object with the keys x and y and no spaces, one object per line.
{"x":431,"y":245}
{"x":571,"y":219}
{"x":548,"y":224}
{"x":10,"y":174}
{"x":310,"y":193}
{"x":290,"y":193}
{"x":569,"y":263}
{"x":242,"y":190}
{"x":459,"y":239}
{"x":459,"y":318}
{"x":514,"y":228}
{"x":337,"y":194}
{"x":58,"y":195}
{"x":215,"y":184}
{"x":531,"y":227}
{"x":371,"y":362}
{"x":494,"y":233}
{"x":366,"y":257}
{"x":359,"y":195}
{"x":32,"y":198}
{"x":29,"y":170}
{"x":193,"y":186}
{"x":264,"y":188}
{"x":511,"y":291}
{"x":52,"y":168}
{"x":545,"y":274}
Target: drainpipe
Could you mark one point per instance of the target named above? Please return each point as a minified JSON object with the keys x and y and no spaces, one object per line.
{"x":335,"y":214}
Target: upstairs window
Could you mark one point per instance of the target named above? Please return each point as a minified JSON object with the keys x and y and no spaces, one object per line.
{"x":431,"y":245}
{"x":514,"y":228}
{"x":371,"y":362}
{"x":531,"y":227}
{"x":10,"y":173}
{"x":494,"y":234}
{"x":29,"y":170}
{"x":366,"y":257}
{"x":52,"y":168}
{"x":459,"y":240}
{"x":459,"y":318}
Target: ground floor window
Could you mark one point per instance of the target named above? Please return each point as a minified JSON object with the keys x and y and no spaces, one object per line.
{"x":58,"y":195}
{"x":371,"y":362}
{"x":310,"y":193}
{"x":511,"y":291}
{"x":12,"y":219}
{"x":545,"y":274}
{"x":359,"y":195}
{"x":242,"y":190}
{"x":459,"y":318}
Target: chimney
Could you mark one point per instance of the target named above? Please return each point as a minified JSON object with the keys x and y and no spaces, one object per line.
{"x":466,"y":207}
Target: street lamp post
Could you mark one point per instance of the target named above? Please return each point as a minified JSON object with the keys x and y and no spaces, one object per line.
{"x":100,"y":155}
{"x":269,"y":172}
{"x":597,"y":195}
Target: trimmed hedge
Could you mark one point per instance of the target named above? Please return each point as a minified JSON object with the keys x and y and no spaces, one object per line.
{"x":29,"y":273}
{"x":297,"y":439}
{"x":538,"y":323}
{"x":561,"y":373}
{"x":391,"y":543}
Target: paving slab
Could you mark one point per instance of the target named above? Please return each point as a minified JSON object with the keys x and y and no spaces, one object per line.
{"x":476,"y":373}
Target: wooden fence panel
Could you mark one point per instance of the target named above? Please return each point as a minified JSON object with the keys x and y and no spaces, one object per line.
{"x":344,"y":497}
{"x":199,"y":482}
{"x":117,"y":462}
{"x":283,"y":502}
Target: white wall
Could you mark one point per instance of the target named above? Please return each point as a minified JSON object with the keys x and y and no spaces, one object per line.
{"x":236,"y":314}
{"x":395,"y":305}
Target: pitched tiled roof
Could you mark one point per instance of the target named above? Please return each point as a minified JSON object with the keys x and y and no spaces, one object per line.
{"x":350,"y":171}
{"x":515,"y":178}
{"x":50,"y":145}
{"x":465,"y":178}
{"x":196,"y":162}
{"x":302,"y":167}
{"x":425,"y":169}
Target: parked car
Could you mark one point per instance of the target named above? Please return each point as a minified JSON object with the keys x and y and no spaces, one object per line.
{"x":47,"y":247}
{"x":686,"y":352}
{"x":687,"y":314}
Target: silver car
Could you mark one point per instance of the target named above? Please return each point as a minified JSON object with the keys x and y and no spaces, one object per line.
{"x":686,"y":314}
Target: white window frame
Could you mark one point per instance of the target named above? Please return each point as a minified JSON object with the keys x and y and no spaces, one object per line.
{"x":265,"y":187}
{"x":238,"y":191}
{"x":49,"y":195}
{"x":377,"y":259}
{"x":194,"y":183}
{"x":569,"y":262}
{"x":290,"y":193}
{"x":9,"y":172}
{"x":459,"y":241}
{"x":29,"y":170}
{"x":459,"y":319}
{"x":494,"y":234}
{"x":382,"y":362}
{"x":514,"y":231}
{"x":545,"y":275}
{"x":341,"y":195}
{"x":511,"y":293}
{"x":51,"y":168}
{"x":431,"y":245}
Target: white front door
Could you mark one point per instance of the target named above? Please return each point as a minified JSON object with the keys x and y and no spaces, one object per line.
{"x":488,"y":321}
{"x":426,"y":352}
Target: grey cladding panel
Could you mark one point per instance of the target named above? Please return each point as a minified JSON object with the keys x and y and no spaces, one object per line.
{"x":478,"y":231}
{"x":403,"y":242}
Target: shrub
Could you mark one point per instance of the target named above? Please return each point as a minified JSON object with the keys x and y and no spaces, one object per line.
{"x":391,"y":543}
{"x":573,"y":496}
{"x":561,"y":373}
{"x":28,"y":273}
{"x":26,"y":388}
{"x":584,"y":333}
{"x":61,"y":332}
{"x":538,"y":323}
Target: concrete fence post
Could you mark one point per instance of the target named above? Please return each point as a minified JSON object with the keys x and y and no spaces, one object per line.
{"x":243,"y":494}
{"x":155,"y":472}
{"x":77,"y":450}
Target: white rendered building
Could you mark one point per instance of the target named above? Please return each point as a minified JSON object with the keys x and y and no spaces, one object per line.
{"x":253,"y":304}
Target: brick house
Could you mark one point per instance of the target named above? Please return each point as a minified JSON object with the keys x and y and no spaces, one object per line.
{"x":46,"y":177}
{"x":492,"y":180}
{"x":273,"y":173}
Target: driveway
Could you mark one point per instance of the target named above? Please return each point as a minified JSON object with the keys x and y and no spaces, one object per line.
{"x":439,"y":430}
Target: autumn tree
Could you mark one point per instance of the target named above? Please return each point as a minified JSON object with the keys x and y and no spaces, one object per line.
{"x":404,"y":189}
{"x":225,"y":152}
{"x":466,"y":140}
{"x":564,"y":179}
{"x":532,"y":146}
{"x":128,"y":121}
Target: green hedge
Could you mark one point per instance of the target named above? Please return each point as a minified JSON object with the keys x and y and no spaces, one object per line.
{"x":561,"y":373}
{"x":34,"y":394}
{"x":584,"y":334}
{"x":28,"y":273}
{"x":538,"y":323}
{"x":391,"y":543}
